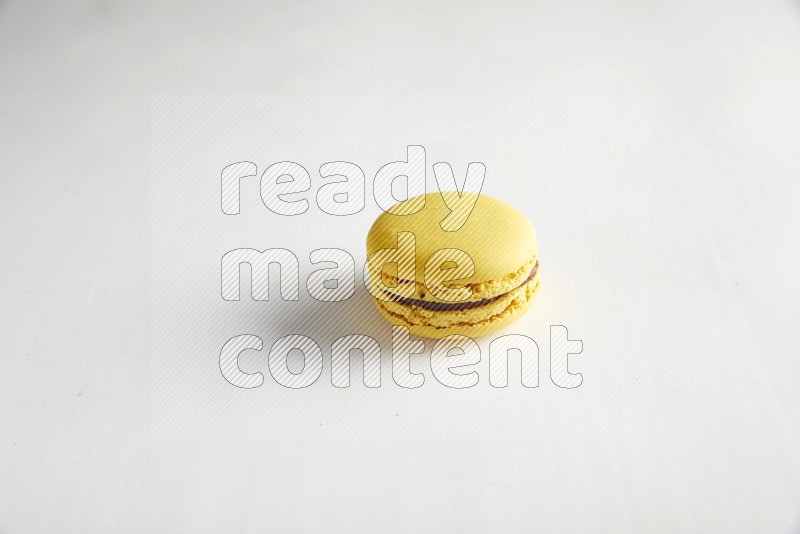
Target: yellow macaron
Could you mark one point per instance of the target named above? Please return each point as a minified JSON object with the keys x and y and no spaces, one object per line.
{"x":471,"y":281}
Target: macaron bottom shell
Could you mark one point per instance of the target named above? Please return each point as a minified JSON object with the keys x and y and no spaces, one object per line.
{"x":473,"y":322}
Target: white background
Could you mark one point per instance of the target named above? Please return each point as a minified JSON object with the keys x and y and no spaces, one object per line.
{"x":662,"y":179}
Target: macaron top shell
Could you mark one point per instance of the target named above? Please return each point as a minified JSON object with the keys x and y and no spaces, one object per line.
{"x":499,"y":239}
